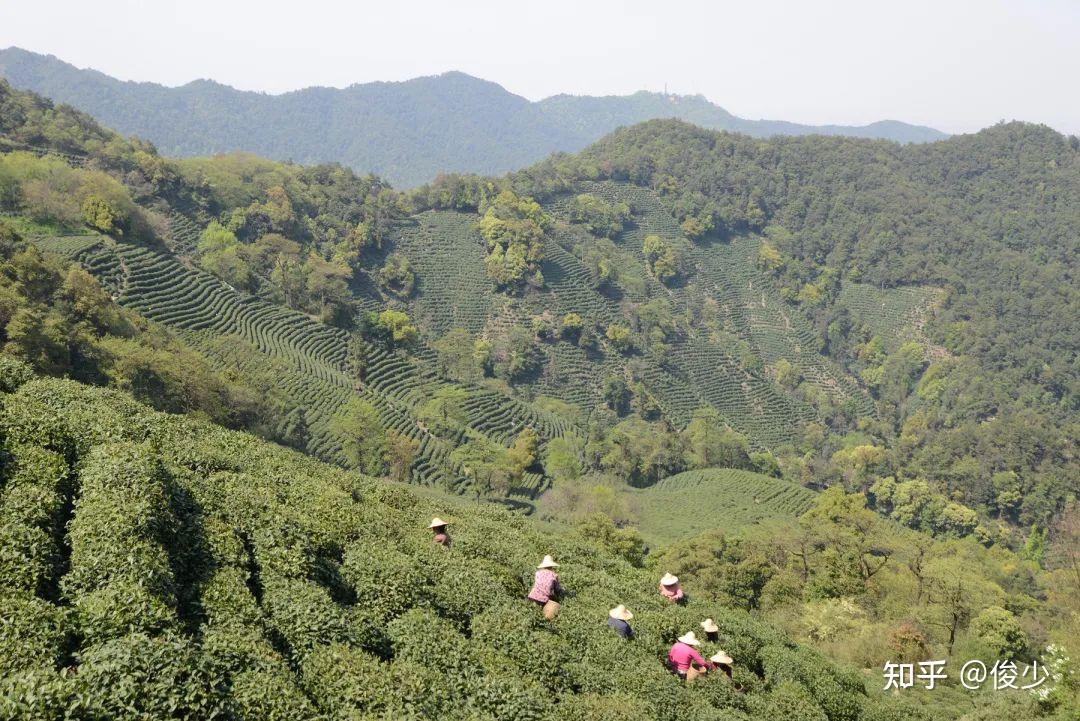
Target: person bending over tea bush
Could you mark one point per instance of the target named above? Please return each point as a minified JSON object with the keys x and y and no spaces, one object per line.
{"x":546,"y":590}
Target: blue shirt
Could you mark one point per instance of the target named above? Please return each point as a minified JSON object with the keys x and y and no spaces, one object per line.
{"x":621,"y":627}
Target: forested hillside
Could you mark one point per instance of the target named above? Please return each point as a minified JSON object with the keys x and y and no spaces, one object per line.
{"x":407,"y":132}
{"x":833,"y":381}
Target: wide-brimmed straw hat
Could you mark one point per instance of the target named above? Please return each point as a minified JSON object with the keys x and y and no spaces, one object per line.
{"x":721,"y":657}
{"x":669,"y":580}
{"x":437,"y":522}
{"x":548,"y":562}
{"x":689,"y":638}
{"x":710,"y":626}
{"x":620,"y":612}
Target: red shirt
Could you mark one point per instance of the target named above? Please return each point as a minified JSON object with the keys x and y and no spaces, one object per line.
{"x":681,"y":654}
{"x":671,"y":593}
{"x":545,"y":585}
{"x":443,"y":539}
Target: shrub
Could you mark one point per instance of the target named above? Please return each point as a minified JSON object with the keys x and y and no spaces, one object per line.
{"x":233,"y":648}
{"x":28,"y":548}
{"x":809,"y":669}
{"x":122,"y":518}
{"x":121,"y":579}
{"x":70,"y":418}
{"x":497,"y":698}
{"x":33,"y":633}
{"x":36,"y":466}
{"x":138,"y":677}
{"x":36,"y":694}
{"x":604,"y":707}
{"x":386,"y":581}
{"x":347,"y":681}
{"x":789,"y":701}
{"x":420,"y":636}
{"x":304,"y":615}
{"x":226,"y":598}
{"x":121,"y":607}
{"x":13,"y":374}
{"x":467,"y":587}
{"x":539,"y":653}
{"x":263,"y":695}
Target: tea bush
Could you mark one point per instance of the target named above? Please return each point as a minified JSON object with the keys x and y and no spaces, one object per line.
{"x":386,"y":581}
{"x":347,"y":681}
{"x":32,"y":496}
{"x":212,"y":575}
{"x":139,"y":677}
{"x":33,"y":632}
{"x":121,"y":578}
{"x":13,"y":373}
{"x":28,"y":549}
{"x":264,"y":695}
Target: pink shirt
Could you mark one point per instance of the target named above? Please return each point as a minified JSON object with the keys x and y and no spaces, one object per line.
{"x":545,"y":586}
{"x":681,"y":654}
{"x":672,"y":593}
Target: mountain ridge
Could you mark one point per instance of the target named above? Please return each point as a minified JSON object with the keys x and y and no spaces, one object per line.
{"x":406,"y":131}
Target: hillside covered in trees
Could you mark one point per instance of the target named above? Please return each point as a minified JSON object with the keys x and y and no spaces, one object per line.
{"x":858,"y":358}
{"x":407,"y":132}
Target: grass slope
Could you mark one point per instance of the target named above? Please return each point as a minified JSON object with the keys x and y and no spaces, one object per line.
{"x":688,"y":503}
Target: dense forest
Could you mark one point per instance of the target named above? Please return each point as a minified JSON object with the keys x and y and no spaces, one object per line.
{"x":407,"y":132}
{"x":829,"y":382}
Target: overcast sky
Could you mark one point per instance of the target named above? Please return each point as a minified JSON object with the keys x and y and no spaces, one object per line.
{"x":955,"y":65}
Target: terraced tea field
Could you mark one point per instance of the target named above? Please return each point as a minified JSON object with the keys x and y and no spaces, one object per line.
{"x":312,"y":368}
{"x":695,"y":501}
{"x":896,"y":315}
{"x":447,"y":256}
{"x":67,"y":245}
{"x":452,"y":290}
{"x":183,"y":233}
{"x":697,"y":370}
{"x":728,"y":272}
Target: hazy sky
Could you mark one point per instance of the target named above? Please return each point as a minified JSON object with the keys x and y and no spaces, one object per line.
{"x":955,"y":65}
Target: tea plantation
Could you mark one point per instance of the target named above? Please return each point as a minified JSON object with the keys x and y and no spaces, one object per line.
{"x":895,"y":315}
{"x":698,"y":369}
{"x":689,"y":503}
{"x":154,"y":566}
{"x":312,"y":356}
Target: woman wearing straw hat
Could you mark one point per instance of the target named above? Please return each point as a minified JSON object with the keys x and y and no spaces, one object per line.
{"x":618,"y":618}
{"x":712,"y":631}
{"x":546,"y":589}
{"x":683,"y":656}
{"x":670,"y":588}
{"x":438,"y":528}
{"x":723,"y":662}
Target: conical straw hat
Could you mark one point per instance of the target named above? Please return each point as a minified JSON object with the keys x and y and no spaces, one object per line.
{"x":436,"y":522}
{"x":621,"y":612}
{"x":710,"y":626}
{"x":721,"y":657}
{"x":548,"y":562}
{"x":690,"y":639}
{"x":669,"y":580}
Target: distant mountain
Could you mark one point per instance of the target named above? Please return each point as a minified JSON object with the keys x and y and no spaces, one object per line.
{"x":406,"y":131}
{"x":596,"y":116}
